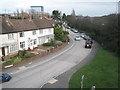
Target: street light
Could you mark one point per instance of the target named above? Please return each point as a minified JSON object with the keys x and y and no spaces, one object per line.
{"x":82,"y":78}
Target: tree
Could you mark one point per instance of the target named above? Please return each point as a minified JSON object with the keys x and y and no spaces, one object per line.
{"x":64,"y":17}
{"x":24,"y":15}
{"x":56,"y":15}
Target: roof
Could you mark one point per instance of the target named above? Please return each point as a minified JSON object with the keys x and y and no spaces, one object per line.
{"x":19,"y":25}
{"x":42,"y":23}
{"x":6,"y":27}
{"x":23,"y":25}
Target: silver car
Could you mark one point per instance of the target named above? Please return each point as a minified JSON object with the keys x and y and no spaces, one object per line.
{"x":77,"y":38}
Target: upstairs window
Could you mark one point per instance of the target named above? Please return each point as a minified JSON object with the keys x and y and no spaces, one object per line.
{"x":41,"y":31}
{"x":50,"y":30}
{"x":33,"y":32}
{"x":21,"y":34}
{"x":10,"y":36}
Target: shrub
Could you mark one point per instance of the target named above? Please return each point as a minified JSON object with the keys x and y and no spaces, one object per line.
{"x":26,"y":57}
{"x":46,"y":44}
{"x":65,"y":32}
{"x":52,"y":43}
{"x":16,"y":59}
{"x":8,"y":63}
{"x":22,"y":53}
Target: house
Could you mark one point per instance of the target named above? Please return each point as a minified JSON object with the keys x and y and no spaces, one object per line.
{"x":19,"y":34}
{"x":8,"y":38}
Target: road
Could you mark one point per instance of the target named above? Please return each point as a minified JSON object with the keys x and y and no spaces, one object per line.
{"x":40,"y":72}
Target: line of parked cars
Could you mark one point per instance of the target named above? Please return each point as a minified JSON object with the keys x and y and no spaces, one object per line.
{"x":72,"y":29}
{"x":88,"y":40}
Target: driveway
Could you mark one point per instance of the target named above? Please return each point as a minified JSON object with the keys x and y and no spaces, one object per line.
{"x":48,"y":69}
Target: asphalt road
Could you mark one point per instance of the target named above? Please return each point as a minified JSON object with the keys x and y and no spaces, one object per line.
{"x":36,"y":74}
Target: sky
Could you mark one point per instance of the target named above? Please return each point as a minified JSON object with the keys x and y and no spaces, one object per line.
{"x":81,"y":7}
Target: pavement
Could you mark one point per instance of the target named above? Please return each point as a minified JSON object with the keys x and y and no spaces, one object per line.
{"x":54,"y":70}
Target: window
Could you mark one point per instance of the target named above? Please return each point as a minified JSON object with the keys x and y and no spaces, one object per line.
{"x":41,"y":31}
{"x":10,"y":36}
{"x":22,"y":44}
{"x":13,"y":47}
{"x":50,"y":30}
{"x":21,"y":34}
{"x":33,"y":32}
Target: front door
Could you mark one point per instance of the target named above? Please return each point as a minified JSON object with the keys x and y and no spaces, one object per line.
{"x":3,"y":51}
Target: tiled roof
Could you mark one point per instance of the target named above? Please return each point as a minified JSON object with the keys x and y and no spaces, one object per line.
{"x":42,"y":23}
{"x":23,"y":25}
{"x":18,"y":25}
{"x":6,"y":27}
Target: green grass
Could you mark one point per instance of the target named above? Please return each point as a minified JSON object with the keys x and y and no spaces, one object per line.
{"x":101,"y":72}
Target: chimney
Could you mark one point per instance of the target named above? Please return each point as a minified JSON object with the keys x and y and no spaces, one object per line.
{"x":30,"y":17}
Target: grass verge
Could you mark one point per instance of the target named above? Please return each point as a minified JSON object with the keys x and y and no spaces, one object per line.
{"x":101,"y":72}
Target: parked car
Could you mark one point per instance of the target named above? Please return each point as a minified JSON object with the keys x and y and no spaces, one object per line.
{"x":90,"y":40}
{"x":74,"y":30}
{"x":77,"y":38}
{"x":82,"y":35}
{"x":88,"y":44}
{"x":68,"y":27}
{"x":5,"y":77}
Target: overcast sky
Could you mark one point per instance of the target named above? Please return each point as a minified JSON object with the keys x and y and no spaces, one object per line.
{"x":81,"y":7}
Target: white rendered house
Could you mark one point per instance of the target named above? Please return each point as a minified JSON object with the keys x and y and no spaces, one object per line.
{"x":24,"y":34}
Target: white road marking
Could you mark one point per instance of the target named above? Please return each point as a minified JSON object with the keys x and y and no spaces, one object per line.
{"x":22,"y":67}
{"x":30,"y":63}
{"x":52,"y":81}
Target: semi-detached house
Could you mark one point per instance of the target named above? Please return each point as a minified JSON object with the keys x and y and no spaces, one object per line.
{"x":19,"y":34}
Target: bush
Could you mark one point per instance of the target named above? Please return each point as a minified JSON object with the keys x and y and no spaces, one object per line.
{"x":65,"y":32}
{"x":26,"y":57}
{"x":16,"y":59}
{"x":8,"y":63}
{"x":52,"y":43}
{"x":22,"y":53}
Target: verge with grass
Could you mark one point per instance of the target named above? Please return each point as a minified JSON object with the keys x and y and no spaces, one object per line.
{"x":102,"y":72}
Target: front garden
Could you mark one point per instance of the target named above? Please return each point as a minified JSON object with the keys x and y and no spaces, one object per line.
{"x":24,"y":55}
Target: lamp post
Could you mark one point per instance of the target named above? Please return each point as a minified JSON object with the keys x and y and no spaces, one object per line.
{"x":82,"y":78}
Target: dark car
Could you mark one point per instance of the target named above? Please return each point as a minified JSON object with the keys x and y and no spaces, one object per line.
{"x":5,"y":77}
{"x":89,"y":40}
{"x":88,"y":44}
